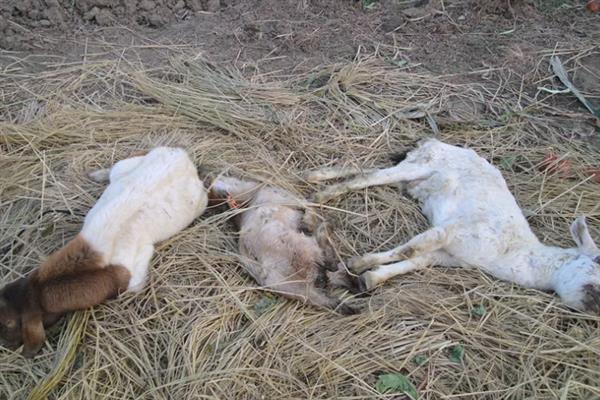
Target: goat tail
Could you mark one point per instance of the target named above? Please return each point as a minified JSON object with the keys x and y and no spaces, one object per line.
{"x":100,"y":175}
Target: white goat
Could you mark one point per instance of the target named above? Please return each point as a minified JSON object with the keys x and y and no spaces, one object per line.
{"x":284,"y":245}
{"x":476,"y":223}
{"x":149,"y":199}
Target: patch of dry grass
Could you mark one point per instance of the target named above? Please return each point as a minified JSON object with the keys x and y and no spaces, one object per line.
{"x":196,"y":330}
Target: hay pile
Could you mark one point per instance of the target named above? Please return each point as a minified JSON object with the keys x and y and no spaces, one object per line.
{"x":202,"y":329}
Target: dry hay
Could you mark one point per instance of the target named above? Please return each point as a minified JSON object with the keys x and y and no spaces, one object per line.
{"x":202,"y":329}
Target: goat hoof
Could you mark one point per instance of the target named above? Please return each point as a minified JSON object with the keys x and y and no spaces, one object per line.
{"x":347,"y":310}
{"x":357,"y":264}
{"x":99,"y":176}
{"x":321,"y":197}
{"x":313,"y":177}
{"x":365,"y":282}
{"x":30,"y":353}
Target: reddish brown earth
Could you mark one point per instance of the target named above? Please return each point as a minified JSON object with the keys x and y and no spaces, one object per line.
{"x":499,"y":43}
{"x":444,"y":36}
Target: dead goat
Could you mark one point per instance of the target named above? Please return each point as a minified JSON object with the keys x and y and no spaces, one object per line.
{"x":149,"y":199}
{"x":476,"y":223}
{"x":284,"y":245}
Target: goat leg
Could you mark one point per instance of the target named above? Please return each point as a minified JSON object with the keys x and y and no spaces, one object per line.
{"x":403,"y":172}
{"x":382,"y":273}
{"x":431,"y":240}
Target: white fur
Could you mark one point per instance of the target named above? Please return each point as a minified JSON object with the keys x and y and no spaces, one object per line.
{"x":149,"y":199}
{"x":476,"y":223}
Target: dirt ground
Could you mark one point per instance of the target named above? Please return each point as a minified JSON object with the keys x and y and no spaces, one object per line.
{"x":503,"y":44}
{"x":496,"y":42}
{"x":441,"y":36}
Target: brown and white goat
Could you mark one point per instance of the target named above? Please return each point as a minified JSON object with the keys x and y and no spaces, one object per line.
{"x":284,"y":245}
{"x":149,"y":199}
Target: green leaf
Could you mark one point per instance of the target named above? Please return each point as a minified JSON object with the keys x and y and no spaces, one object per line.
{"x":264,"y":305}
{"x":396,"y":62}
{"x":478,"y":310}
{"x":420,"y":360}
{"x":507,"y":162}
{"x":396,"y":383}
{"x":368,"y":4}
{"x":457,"y":353}
{"x":48,"y":230}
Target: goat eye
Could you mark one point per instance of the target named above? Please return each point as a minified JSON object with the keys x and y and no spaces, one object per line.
{"x":597,"y":260}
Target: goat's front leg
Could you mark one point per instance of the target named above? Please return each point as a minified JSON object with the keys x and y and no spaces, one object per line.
{"x":329,"y":173}
{"x":431,"y":240}
{"x":370,"y":279}
{"x":32,"y":331}
{"x":83,"y":289}
{"x":140,"y":268}
{"x":401,"y":173}
{"x":311,"y":295}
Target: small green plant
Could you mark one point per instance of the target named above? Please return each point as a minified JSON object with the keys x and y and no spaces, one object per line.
{"x":507,"y":162}
{"x":478,"y":310}
{"x":549,"y":6}
{"x":398,"y":383}
{"x":395,"y":61}
{"x":457,"y":352}
{"x":368,"y":4}
{"x":420,"y":359}
{"x":264,"y":305}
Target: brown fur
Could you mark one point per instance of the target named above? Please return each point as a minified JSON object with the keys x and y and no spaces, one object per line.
{"x":75,"y":256}
{"x":73,"y":278}
{"x":591,"y":300}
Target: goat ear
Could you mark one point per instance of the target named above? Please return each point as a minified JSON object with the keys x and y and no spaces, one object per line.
{"x":581,"y":235}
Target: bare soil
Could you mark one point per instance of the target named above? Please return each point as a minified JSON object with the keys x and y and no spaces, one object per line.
{"x":502,"y":44}
{"x":449,"y":36}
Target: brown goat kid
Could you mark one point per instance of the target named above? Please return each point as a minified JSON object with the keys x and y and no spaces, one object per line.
{"x":284,"y":246}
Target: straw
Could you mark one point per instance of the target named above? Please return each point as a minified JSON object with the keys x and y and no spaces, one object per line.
{"x":201,"y":329}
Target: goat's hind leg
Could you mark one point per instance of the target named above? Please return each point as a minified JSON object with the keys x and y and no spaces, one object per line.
{"x":431,"y":240}
{"x":311,"y":295}
{"x":119,"y":169}
{"x":371,"y":279}
{"x":403,"y":172}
